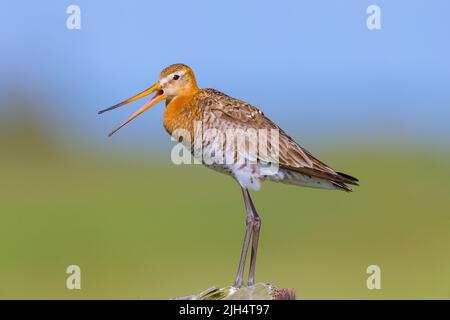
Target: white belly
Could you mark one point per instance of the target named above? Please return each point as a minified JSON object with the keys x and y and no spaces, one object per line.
{"x":249,"y":178}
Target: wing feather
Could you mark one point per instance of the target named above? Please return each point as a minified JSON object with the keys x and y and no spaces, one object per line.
{"x":223,"y":111}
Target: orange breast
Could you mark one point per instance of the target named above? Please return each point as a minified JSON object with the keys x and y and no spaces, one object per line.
{"x":180,"y":113}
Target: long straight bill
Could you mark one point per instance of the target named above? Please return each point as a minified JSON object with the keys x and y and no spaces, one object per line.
{"x":159,"y":96}
{"x":136,"y":97}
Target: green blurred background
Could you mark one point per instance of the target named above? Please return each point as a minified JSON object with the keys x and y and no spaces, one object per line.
{"x":373,"y":104}
{"x":145,"y":228}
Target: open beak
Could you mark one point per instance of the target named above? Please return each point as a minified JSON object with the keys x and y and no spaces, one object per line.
{"x":156,"y":98}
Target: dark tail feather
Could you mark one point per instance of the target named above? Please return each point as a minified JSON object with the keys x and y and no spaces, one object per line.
{"x":339,"y":179}
{"x":349,"y":179}
{"x":342,"y":186}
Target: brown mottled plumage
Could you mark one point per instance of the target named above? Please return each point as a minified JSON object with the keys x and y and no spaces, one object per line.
{"x":217,"y":110}
{"x":188,"y":105}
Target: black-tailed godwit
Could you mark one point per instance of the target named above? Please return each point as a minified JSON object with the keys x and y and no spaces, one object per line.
{"x":187,"y":104}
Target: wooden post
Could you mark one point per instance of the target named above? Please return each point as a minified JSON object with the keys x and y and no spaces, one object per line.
{"x":259,"y":291}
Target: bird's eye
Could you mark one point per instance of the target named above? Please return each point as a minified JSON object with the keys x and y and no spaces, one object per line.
{"x":176,"y":77}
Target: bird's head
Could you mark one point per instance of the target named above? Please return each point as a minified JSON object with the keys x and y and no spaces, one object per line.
{"x":175,"y":80}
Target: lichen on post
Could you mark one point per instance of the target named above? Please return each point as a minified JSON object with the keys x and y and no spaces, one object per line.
{"x":258,"y":291}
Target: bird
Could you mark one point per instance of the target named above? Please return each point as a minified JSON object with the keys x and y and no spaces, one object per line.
{"x":187,"y":104}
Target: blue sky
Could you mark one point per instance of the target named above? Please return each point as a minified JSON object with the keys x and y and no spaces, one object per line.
{"x":312,"y":66}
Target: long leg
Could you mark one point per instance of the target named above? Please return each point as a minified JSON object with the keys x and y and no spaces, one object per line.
{"x":248,"y":232}
{"x":255,"y":239}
